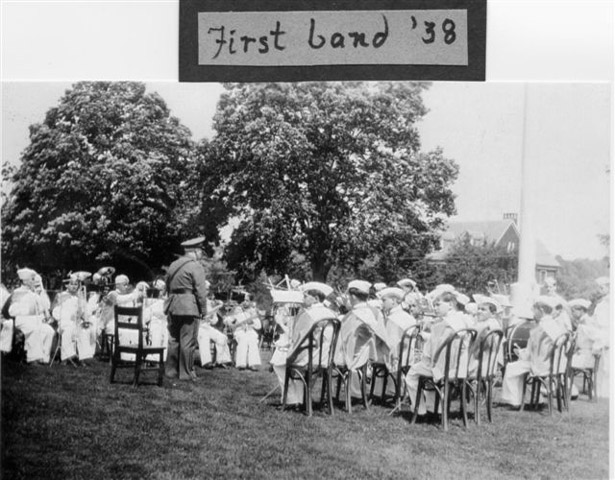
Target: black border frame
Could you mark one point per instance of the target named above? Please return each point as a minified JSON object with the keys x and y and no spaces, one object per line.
{"x":191,"y":71}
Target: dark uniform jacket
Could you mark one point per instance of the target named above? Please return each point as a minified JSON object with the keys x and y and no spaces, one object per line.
{"x":187,"y":288}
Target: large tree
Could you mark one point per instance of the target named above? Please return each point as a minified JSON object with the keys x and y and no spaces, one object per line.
{"x":102,"y":181}
{"x":328,"y":172}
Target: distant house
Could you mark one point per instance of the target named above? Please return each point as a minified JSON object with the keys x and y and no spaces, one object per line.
{"x":504,"y":233}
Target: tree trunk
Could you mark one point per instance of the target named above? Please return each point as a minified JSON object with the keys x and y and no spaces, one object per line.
{"x":320,"y":268}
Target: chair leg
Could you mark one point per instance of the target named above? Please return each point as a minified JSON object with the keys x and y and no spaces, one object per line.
{"x":445,"y":405}
{"x":464,"y":403}
{"x":161,"y":369}
{"x":372,"y":385}
{"x":307,"y":397}
{"x":549,"y":395}
{"x":417,"y":401}
{"x":348,"y":395}
{"x":329,"y":384}
{"x":138,"y":360}
{"x":489,"y":388}
{"x":523,"y":389}
{"x":285,"y":392}
{"x":385,"y":381}
{"x":363,"y":382}
{"x":477,"y":394}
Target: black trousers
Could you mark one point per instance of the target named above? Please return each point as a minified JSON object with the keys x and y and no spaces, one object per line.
{"x":183,"y":331}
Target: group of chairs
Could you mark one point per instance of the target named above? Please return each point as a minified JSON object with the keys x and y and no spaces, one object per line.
{"x":470,"y":386}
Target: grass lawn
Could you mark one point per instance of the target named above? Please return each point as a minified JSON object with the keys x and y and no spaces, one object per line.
{"x":62,"y":422}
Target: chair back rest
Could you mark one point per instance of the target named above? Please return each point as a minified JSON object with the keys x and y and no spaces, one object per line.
{"x":519,"y":335}
{"x":128,"y":318}
{"x":560,"y":354}
{"x":319,"y":342}
{"x":410,"y":348}
{"x":488,"y":354}
{"x":457,"y":354}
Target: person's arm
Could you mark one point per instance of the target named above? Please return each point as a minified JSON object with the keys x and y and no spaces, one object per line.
{"x":199,"y":286}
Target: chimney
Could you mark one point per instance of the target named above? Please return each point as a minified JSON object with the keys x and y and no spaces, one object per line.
{"x":511,"y":216}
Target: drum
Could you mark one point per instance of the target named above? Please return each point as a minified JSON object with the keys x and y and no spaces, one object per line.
{"x":519,"y":335}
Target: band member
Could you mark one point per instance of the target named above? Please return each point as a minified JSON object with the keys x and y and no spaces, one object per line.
{"x":397,"y":320}
{"x":362,"y":335}
{"x":245,"y":324}
{"x":186,"y":304}
{"x":6,"y":324}
{"x":209,"y":332}
{"x":154,"y":317}
{"x":314,"y":294}
{"x":77,"y":330}
{"x":533,"y":358}
{"x":26,"y":307}
{"x":602,"y":321}
{"x":449,"y":319}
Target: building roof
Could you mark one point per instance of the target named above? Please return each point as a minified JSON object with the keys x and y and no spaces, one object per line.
{"x":492,"y":230}
{"x":544,"y":258}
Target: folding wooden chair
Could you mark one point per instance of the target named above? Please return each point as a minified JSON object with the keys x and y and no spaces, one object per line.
{"x":130,"y":319}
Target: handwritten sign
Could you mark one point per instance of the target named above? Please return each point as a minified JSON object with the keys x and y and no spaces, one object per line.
{"x":287,"y":41}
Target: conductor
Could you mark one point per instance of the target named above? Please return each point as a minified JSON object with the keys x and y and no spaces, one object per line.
{"x":186,"y":304}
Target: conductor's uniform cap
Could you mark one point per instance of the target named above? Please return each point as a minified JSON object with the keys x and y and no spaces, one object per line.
{"x":193,"y":243}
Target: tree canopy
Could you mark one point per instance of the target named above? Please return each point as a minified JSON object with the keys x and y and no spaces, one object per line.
{"x":330,"y":173}
{"x":102,"y":181}
{"x":471,"y":267}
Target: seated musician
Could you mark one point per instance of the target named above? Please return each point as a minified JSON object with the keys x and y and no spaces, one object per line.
{"x":534,"y":358}
{"x":121,"y":296}
{"x":76,"y":328}
{"x":154,"y":316}
{"x":6,"y":324}
{"x":363,"y":335}
{"x":245,"y":324}
{"x":28,"y":311}
{"x":397,"y":320}
{"x":314,"y":294}
{"x":486,"y":321}
{"x":448,"y":320}
{"x":586,"y":335}
{"x":208,"y":332}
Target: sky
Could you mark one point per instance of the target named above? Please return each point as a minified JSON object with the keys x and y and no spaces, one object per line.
{"x":563,"y":130}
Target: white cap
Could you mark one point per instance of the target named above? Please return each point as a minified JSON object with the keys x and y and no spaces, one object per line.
{"x":379,"y":286}
{"x":394,"y":292}
{"x":25,"y":274}
{"x":579,"y":302}
{"x":121,"y":279}
{"x":360,"y":285}
{"x":325,"y":289}
{"x":294,"y":283}
{"x":480,"y":299}
{"x":406,"y":282}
